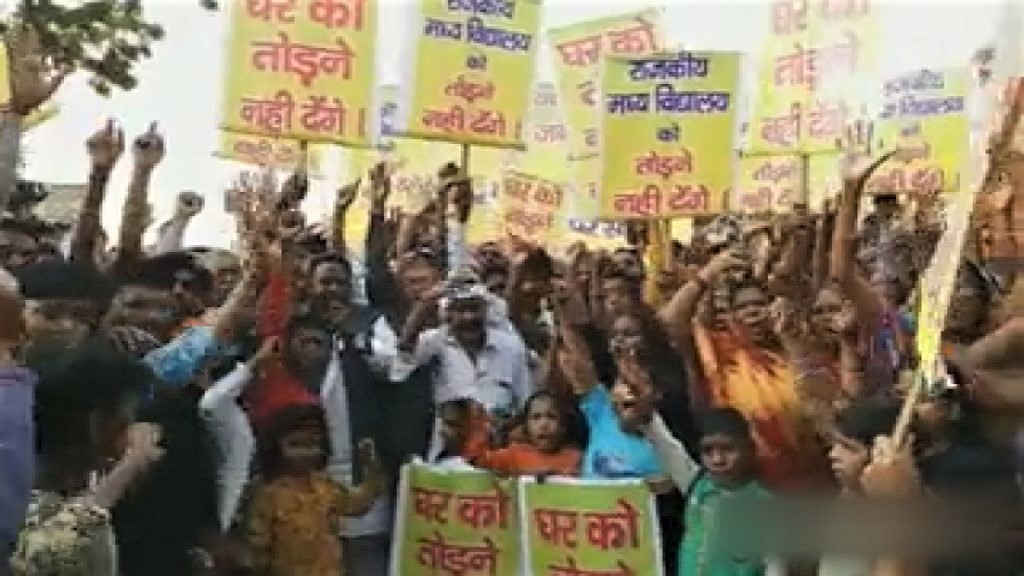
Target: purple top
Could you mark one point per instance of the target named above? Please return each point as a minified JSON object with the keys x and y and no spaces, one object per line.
{"x":17,"y":451}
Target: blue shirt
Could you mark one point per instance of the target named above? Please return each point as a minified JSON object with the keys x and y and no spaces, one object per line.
{"x":612,"y":452}
{"x":183,"y":359}
{"x":17,"y":449}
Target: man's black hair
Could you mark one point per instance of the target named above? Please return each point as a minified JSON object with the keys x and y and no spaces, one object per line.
{"x":726,"y":422}
{"x":158,"y":272}
{"x":329,"y":258}
{"x":868,"y":418}
{"x":94,"y":378}
{"x":53,"y":279}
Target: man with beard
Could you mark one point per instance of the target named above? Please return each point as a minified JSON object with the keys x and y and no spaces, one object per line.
{"x":473,"y":358}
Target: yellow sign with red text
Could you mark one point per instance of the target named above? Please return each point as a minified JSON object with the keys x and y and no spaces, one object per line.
{"x":471,"y":72}
{"x":303,"y":70}
{"x":812,"y":73}
{"x":668,"y":134}
{"x":577,"y":51}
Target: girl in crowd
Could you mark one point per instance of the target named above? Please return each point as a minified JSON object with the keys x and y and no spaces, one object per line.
{"x":295,"y":513}
{"x":545,"y":448}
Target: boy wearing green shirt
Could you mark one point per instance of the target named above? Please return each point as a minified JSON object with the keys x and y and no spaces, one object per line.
{"x":726,"y":474}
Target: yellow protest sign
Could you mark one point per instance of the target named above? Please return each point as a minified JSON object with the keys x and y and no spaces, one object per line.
{"x":265,"y":151}
{"x":302,"y":69}
{"x":766,"y":183}
{"x":924,"y":115}
{"x":546,"y":137}
{"x":811,"y":73}
{"x":415,"y":163}
{"x":5,"y":76}
{"x":471,"y":71}
{"x":577,"y":51}
{"x":530,"y":206}
{"x":668,"y":134}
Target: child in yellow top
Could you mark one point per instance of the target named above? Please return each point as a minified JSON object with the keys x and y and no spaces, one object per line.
{"x":296,"y":513}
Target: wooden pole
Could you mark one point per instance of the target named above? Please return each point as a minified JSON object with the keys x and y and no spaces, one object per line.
{"x":466,"y":148}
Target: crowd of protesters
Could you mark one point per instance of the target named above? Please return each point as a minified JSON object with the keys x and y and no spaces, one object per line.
{"x":174,"y":410}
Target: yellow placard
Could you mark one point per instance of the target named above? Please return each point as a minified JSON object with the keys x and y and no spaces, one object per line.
{"x":546,"y":137}
{"x":471,"y":71}
{"x":576,"y":52}
{"x":5,"y":76}
{"x":265,"y":151}
{"x":818,"y":56}
{"x":416,"y":163}
{"x":530,"y":206}
{"x":668,"y":134}
{"x":302,"y":69}
{"x":766,"y":183}
{"x":925,"y":116}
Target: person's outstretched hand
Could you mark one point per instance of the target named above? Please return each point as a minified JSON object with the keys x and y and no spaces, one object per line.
{"x":149,"y":148}
{"x":105,"y":146}
{"x":891,"y":472}
{"x":857,"y":163}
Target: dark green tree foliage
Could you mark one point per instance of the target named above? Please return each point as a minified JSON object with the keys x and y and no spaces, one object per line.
{"x":105,"y":37}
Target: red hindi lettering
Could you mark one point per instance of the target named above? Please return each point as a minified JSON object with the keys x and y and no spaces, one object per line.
{"x":827,"y":120}
{"x":484,"y":511}
{"x":548,"y":194}
{"x":616,"y":529}
{"x":456,"y":559}
{"x":432,"y":505}
{"x":489,"y":122}
{"x":789,"y":16}
{"x":757,"y":200}
{"x":517,"y":187}
{"x":664,"y":165}
{"x":580,"y":52}
{"x":324,"y":116}
{"x":272,"y":115}
{"x":638,"y":39}
{"x":570,"y":568}
{"x":639,"y":204}
{"x":784,"y":130}
{"x":271,"y":10}
{"x":557,"y":527}
{"x":798,"y":68}
{"x":338,"y":13}
{"x":465,"y":89}
{"x":689,"y":198}
{"x":451,"y":120}
{"x":306,"y":61}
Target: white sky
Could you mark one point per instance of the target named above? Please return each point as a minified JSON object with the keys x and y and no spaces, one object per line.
{"x":180,"y":86}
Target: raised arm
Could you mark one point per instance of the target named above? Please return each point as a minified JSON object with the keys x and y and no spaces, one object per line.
{"x":342,"y":202}
{"x":171,"y":236}
{"x":360,"y":499}
{"x":857,"y":168}
{"x":105,"y":148}
{"x":148,"y":151}
{"x":678,"y":314}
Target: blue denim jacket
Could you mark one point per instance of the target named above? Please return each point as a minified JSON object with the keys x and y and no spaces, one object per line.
{"x":17,"y":455}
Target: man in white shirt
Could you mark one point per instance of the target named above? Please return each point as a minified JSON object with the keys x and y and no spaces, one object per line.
{"x":474,"y":359}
